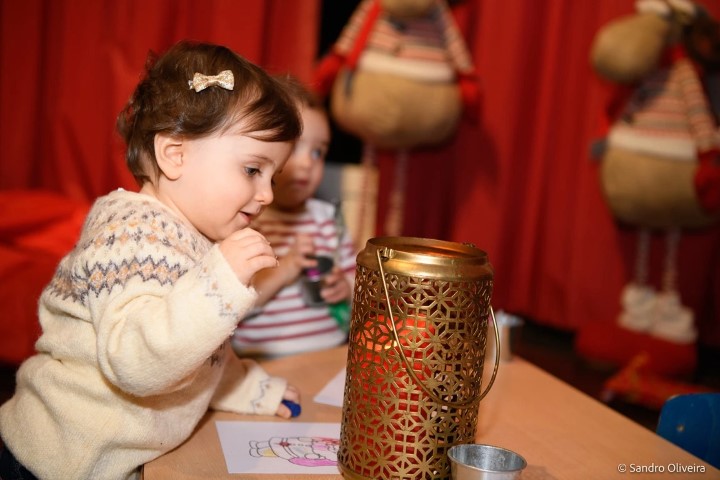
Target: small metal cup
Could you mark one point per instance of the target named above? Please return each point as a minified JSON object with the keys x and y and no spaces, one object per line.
{"x":312,"y":281}
{"x":484,"y":462}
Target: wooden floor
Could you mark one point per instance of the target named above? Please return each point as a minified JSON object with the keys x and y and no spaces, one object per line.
{"x":553,"y":351}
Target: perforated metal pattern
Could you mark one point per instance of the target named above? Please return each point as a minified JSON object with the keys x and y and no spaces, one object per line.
{"x":406,"y":403}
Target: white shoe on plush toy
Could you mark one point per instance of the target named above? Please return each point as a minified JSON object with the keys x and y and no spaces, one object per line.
{"x":638,"y":302}
{"x":672,"y":321}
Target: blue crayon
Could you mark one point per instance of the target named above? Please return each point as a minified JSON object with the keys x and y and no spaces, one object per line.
{"x":294,"y":407}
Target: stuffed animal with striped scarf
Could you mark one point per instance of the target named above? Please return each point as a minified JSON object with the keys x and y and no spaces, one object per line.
{"x":399,"y":77}
{"x":660,"y":165}
{"x":400,"y":74}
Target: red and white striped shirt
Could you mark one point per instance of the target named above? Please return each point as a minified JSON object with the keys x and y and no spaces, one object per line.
{"x":285,"y":325}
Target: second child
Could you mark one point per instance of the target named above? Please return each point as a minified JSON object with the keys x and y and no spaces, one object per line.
{"x":301,"y":228}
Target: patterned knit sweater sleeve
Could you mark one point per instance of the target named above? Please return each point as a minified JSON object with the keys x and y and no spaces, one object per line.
{"x":246,"y":388}
{"x":160,"y":297}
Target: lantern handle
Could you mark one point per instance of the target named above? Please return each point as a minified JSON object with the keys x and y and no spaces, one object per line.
{"x":497,"y":354}
{"x":389,"y":253}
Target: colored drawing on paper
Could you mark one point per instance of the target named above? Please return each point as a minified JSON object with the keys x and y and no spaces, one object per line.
{"x":306,"y":451}
{"x":279,"y":447}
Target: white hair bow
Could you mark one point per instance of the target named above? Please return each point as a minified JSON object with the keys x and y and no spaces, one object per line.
{"x":224,"y":79}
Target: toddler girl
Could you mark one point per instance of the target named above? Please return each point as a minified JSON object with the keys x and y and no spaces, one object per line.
{"x":301,"y":228}
{"x":137,"y":318}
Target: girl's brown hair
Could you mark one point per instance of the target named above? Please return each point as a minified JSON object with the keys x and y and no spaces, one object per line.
{"x":163,"y":102}
{"x":302,"y":94}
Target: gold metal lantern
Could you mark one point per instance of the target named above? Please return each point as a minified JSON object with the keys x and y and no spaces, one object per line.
{"x":415,"y":357}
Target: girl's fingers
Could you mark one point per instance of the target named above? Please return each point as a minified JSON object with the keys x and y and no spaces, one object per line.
{"x":257,"y":263}
{"x":292,"y":394}
{"x":248,"y":252}
{"x":308,"y":262}
{"x":245,"y":233}
{"x":251,"y":245}
{"x":283,"y":411}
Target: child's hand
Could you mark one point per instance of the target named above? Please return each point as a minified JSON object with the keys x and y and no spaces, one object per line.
{"x":336,"y":287}
{"x":298,"y":257}
{"x":292,"y":394}
{"x":248,"y":252}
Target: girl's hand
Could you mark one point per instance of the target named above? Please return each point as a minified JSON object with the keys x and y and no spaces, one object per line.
{"x":298,"y":257}
{"x":336,"y":287}
{"x":292,"y":394}
{"x":248,"y":252}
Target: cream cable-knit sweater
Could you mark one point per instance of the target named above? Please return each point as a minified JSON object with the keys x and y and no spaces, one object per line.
{"x":134,"y":347}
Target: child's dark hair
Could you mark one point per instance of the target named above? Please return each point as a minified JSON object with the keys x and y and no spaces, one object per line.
{"x":302,"y":94}
{"x":163,"y":102}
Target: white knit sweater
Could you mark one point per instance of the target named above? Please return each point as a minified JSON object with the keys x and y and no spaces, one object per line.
{"x":134,"y":347}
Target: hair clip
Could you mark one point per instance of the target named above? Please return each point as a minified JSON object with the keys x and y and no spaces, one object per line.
{"x":224,"y":79}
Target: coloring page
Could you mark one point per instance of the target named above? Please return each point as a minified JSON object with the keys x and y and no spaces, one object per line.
{"x":279,"y":447}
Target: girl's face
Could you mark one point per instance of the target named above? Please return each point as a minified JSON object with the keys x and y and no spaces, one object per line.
{"x":223,"y":181}
{"x":301,"y":177}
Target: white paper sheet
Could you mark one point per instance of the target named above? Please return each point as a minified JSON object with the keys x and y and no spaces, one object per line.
{"x":332,"y":393}
{"x":279,"y":447}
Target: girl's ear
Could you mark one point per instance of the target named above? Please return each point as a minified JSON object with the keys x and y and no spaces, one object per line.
{"x":169,"y":155}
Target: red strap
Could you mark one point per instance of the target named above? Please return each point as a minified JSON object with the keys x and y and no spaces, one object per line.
{"x":363,"y":35}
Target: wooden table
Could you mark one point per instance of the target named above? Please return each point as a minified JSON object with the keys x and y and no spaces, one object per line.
{"x":561,"y":432}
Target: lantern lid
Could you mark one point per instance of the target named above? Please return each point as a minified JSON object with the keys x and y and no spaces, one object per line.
{"x":426,"y":257}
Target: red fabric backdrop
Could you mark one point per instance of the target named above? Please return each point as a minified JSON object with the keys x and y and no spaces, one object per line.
{"x":69,"y":67}
{"x":66,"y":70}
{"x":519,"y":184}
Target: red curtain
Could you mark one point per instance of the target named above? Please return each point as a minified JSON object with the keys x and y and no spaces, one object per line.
{"x":66,"y":70}
{"x":69,"y":67}
{"x":519,"y":183}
